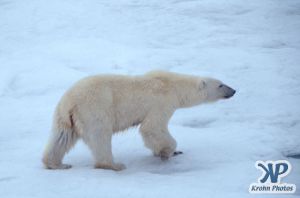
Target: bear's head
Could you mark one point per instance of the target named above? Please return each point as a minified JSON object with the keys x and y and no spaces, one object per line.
{"x":214,"y":90}
{"x":203,"y":90}
{"x":192,"y":90}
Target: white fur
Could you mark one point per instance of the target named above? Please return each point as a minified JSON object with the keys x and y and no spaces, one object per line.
{"x":98,"y":106}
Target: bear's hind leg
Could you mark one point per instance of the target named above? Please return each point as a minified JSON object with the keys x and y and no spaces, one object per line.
{"x":60,"y":142}
{"x":99,"y":141}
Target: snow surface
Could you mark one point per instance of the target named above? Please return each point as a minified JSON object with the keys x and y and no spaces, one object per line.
{"x":254,"y":46}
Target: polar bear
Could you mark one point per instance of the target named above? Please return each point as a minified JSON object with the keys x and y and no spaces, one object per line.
{"x":96,"y":107}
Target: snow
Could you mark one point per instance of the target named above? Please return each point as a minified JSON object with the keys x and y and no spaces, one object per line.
{"x":254,"y":46}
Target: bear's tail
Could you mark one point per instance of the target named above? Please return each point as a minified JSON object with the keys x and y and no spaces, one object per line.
{"x":62,"y":139}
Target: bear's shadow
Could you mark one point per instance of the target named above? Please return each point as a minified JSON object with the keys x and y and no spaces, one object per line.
{"x":154,"y":165}
{"x":204,"y":123}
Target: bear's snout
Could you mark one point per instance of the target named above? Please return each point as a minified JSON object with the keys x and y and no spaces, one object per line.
{"x":229,"y":92}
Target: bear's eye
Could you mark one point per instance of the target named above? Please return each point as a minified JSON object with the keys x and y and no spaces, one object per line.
{"x":202,"y":85}
{"x":220,"y":86}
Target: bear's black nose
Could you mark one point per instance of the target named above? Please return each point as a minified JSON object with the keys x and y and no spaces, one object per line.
{"x":229,"y":92}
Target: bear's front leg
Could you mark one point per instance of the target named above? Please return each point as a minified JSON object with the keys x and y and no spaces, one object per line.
{"x":177,"y":153}
{"x":164,"y":154}
{"x":158,"y":139}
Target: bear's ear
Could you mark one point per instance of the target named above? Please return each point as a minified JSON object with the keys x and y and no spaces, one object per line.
{"x":201,"y":84}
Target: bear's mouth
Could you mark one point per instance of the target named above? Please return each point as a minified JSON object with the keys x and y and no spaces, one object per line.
{"x":230,"y":94}
{"x":226,"y":97}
